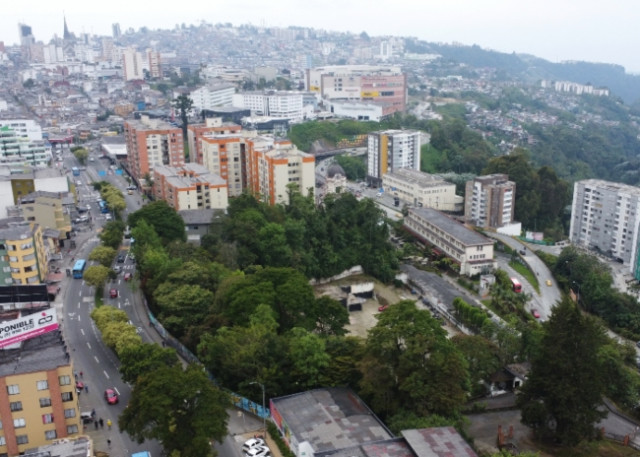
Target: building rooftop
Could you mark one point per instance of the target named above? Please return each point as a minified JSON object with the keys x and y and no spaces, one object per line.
{"x":330,"y":419}
{"x":438,"y":442}
{"x":198,"y":216}
{"x":452,"y":227}
{"x":611,"y":186}
{"x":418,"y":177}
{"x":15,"y":228}
{"x":78,"y":447}
{"x":41,"y":353}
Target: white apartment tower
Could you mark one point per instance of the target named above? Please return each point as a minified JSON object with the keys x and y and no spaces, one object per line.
{"x":390,"y":150}
{"x":132,"y":64}
{"x":606,"y":216}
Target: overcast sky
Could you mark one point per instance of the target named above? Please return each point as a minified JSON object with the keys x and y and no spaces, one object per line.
{"x":594,"y":31}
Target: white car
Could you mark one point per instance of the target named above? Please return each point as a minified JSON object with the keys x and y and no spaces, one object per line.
{"x":258,"y":451}
{"x":252,"y":443}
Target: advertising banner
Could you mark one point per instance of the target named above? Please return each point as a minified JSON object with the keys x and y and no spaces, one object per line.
{"x":27,"y":327}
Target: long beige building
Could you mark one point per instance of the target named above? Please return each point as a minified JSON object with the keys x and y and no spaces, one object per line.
{"x":424,"y":190}
{"x":191,"y":186}
{"x":469,"y":249}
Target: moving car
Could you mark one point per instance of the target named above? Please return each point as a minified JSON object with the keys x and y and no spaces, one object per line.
{"x":535,"y":313}
{"x":121,"y":258}
{"x":113,"y":293}
{"x":548,"y":282}
{"x":127,"y":276}
{"x":111,"y":396}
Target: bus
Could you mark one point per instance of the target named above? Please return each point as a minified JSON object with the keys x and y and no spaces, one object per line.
{"x":517,"y":287}
{"x":76,"y":171}
{"x":78,"y":268}
{"x":103,"y":206}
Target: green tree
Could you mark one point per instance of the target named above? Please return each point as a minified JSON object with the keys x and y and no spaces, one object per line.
{"x":354,"y":167}
{"x":164,"y":219}
{"x":182,"y":409}
{"x":143,"y":359}
{"x":308,"y":357}
{"x":103,"y":255}
{"x":182,"y":306}
{"x":563,"y":394}
{"x":112,"y":234}
{"x":183,"y":104}
{"x":481,"y":356}
{"x":81,"y":154}
{"x":96,"y":275}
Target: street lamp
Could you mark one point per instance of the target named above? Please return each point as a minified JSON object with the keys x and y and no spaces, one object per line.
{"x":264,"y":420}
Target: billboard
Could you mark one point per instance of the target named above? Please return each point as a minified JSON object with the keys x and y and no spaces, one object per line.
{"x":27,"y":327}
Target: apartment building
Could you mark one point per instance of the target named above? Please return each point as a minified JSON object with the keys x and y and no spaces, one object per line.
{"x":226,"y":156}
{"x":49,"y":210}
{"x":212,"y":126}
{"x":23,"y":256}
{"x":39,"y":403}
{"x":278,"y":104}
{"x":382,"y":84}
{"x":605,"y":216}
{"x":18,"y":150}
{"x":132,"y":64}
{"x":469,"y":249}
{"x":490,"y":201}
{"x":213,"y":95}
{"x":424,"y":190}
{"x":390,"y":150}
{"x":24,"y":128}
{"x":152,"y":142}
{"x":273,"y":168}
{"x":191,"y":186}
{"x":154,"y":63}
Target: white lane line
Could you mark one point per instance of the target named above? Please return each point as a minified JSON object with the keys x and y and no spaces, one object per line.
{"x":79,"y":318}
{"x":79,"y":293}
{"x":96,"y":359}
{"x":82,"y":331}
{"x":105,"y":373}
{"x":88,"y":345}
{"x":116,"y":391}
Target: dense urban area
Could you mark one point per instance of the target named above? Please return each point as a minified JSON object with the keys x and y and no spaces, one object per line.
{"x":256,"y":241}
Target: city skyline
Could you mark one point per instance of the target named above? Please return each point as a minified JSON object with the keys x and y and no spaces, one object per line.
{"x":555,"y":31}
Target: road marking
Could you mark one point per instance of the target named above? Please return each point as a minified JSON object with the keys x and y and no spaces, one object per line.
{"x":96,"y":358}
{"x":79,"y":293}
{"x":79,"y":319}
{"x":88,"y":345}
{"x":105,"y":373}
{"x":116,"y":391}
{"x":82,"y":331}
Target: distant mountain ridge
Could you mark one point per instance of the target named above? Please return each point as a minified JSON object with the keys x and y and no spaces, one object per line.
{"x":530,"y":68}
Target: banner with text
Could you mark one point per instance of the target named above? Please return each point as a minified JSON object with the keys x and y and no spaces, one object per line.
{"x":27,"y":327}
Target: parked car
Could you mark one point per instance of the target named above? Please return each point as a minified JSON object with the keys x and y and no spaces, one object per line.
{"x":113,"y":293}
{"x":258,"y":451}
{"x":121,"y":258}
{"x":127,"y":276}
{"x":383,"y":307}
{"x":79,"y":385}
{"x":117,"y":268}
{"x":111,"y":396}
{"x":253,"y":442}
{"x":535,"y":313}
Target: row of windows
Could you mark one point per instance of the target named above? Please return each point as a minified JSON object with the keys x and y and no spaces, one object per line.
{"x":48,"y":435}
{"x":14,"y":389}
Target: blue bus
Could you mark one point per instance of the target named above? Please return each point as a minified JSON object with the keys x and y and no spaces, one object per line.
{"x":76,"y":171}
{"x":78,"y":268}
{"x":103,"y":206}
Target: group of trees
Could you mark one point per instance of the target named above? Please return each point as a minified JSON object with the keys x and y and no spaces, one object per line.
{"x":80,"y":153}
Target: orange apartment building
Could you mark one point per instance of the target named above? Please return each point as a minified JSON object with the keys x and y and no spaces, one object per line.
{"x":212,"y":126}
{"x":191,"y":186}
{"x":150,"y":143}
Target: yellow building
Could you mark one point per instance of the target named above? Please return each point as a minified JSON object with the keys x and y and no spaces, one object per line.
{"x":38,"y":400}
{"x":23,"y":257}
{"x":48,"y":210}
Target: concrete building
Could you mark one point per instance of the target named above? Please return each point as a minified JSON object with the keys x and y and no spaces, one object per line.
{"x":213,"y":95}
{"x":154,"y":62}
{"x":605,"y":216}
{"x":152,"y":142}
{"x":278,"y":104}
{"x":212,"y":126}
{"x":226,"y":156}
{"x":420,"y":189}
{"x":384,"y":84}
{"x":272,"y":169}
{"x":361,"y":111}
{"x":16,"y":182}
{"x":191,"y":186}
{"x":49,"y":210}
{"x":336,"y":422}
{"x":16,"y":150}
{"x":24,"y":128}
{"x":39,"y":404}
{"x":23,"y":256}
{"x":490,"y":201}
{"x":132,"y":64}
{"x":197,"y":223}
{"x":389,"y":150}
{"x":466,"y":247}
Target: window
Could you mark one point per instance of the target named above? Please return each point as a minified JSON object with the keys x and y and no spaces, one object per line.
{"x":47,"y":418}
{"x":44,"y":402}
{"x":16,"y":406}
{"x":72,"y":429}
{"x":19,"y":423}
{"x":71,"y":412}
{"x":22,"y":439}
{"x":42,"y":385}
{"x":64,"y":380}
{"x":3,"y":442}
{"x":13,"y":389}
{"x":67,"y":396}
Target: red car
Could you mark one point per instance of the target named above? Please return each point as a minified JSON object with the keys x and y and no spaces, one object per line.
{"x":111,"y":396}
{"x":127,"y":276}
{"x":382,"y":308}
{"x":113,"y":293}
{"x":535,"y":313}
{"x":79,"y":385}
